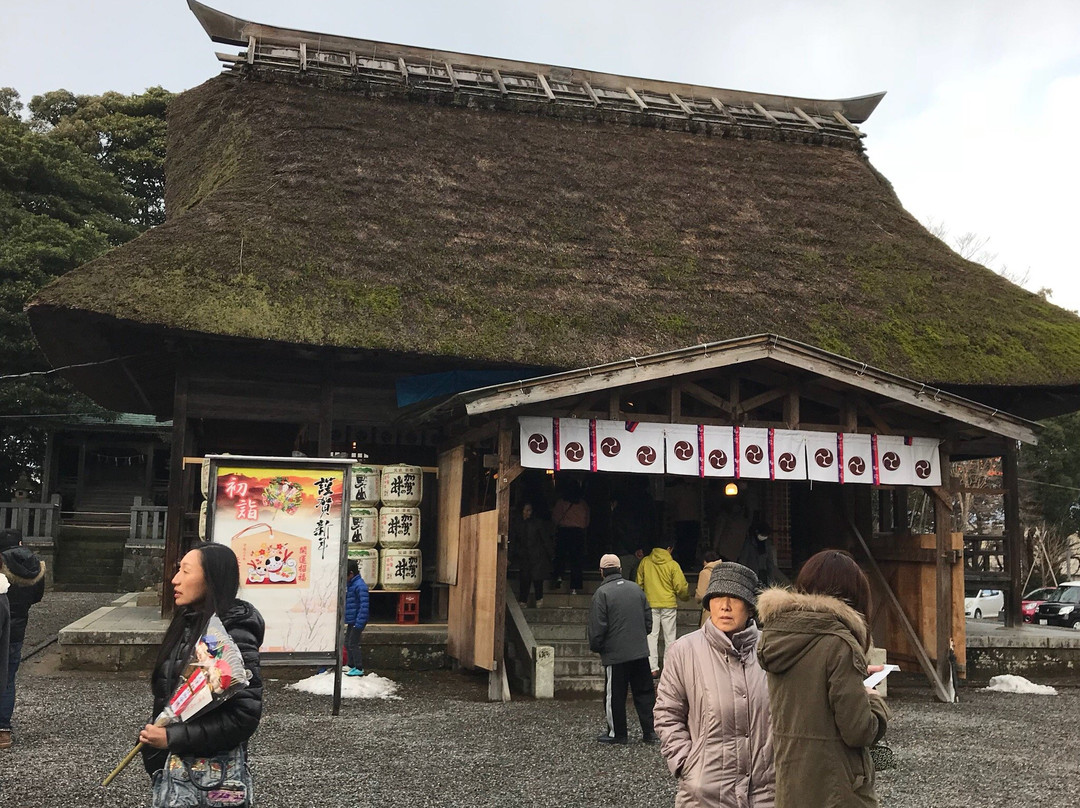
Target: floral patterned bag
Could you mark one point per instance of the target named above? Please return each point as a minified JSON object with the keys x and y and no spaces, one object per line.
{"x":199,"y":782}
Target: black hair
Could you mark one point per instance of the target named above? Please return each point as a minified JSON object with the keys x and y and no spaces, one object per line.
{"x":222,"y":573}
{"x":711,"y":555}
{"x":353,"y":567}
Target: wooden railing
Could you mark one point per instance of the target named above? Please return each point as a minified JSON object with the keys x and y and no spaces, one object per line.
{"x":37,"y":521}
{"x":147,"y":523}
{"x":984,"y":558}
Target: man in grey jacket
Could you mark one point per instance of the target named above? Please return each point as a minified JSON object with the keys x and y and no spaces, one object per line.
{"x":619,"y":625}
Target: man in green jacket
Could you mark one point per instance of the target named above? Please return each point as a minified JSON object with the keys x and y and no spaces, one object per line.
{"x":664,"y":583}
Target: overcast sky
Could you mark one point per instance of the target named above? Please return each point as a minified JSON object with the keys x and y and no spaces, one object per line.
{"x":978,"y":130}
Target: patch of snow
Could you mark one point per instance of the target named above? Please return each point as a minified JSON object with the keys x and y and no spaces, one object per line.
{"x":1018,"y":684}
{"x":371,"y":686}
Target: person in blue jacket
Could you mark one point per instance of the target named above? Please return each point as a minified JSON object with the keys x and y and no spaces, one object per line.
{"x":356,"y":617}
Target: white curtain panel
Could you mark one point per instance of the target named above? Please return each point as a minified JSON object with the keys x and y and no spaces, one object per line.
{"x":718,"y":451}
{"x":572,"y":444}
{"x":629,"y":446}
{"x":895,"y":461}
{"x":927,"y":461}
{"x":753,"y":453}
{"x":821,"y":456}
{"x":787,"y":454}
{"x":535,"y":443}
{"x":855,"y":455}
{"x":682,"y":452}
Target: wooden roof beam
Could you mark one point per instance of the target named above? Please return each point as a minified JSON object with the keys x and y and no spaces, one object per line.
{"x":807,"y":118}
{"x":303,"y":56}
{"x":849,"y":124}
{"x":682,"y":105}
{"x":707,"y":397}
{"x":251,"y":50}
{"x":453,"y":78}
{"x":768,"y":115}
{"x":403,"y":69}
{"x":762,"y":399}
{"x":591,"y":93}
{"x":546,"y":86}
{"x":637,"y":99}
{"x":499,"y":81}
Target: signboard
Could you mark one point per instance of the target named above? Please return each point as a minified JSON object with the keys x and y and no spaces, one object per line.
{"x":285,"y":518}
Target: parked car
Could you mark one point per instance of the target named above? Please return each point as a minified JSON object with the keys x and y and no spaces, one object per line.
{"x":1061,"y":608}
{"x":986,"y":601}
{"x":1032,"y":600}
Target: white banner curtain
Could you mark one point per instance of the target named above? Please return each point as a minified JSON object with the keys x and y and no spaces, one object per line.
{"x":682,"y":454}
{"x":575,"y":444}
{"x":535,"y":443}
{"x":628,"y":446}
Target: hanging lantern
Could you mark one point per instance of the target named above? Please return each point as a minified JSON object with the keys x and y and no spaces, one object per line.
{"x":731,"y":490}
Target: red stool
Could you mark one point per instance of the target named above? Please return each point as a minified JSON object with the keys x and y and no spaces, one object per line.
{"x":408,"y":607}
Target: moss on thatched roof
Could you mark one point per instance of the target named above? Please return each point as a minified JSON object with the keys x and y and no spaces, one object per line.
{"x":345,"y":218}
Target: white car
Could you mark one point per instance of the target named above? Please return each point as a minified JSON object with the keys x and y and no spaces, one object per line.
{"x":986,"y":601}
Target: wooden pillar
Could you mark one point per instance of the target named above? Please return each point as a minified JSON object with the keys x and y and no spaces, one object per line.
{"x":1014,"y":536}
{"x":148,"y":482}
{"x":47,"y":466}
{"x":80,"y":475}
{"x":944,"y":555}
{"x":174,"y":520}
{"x":497,"y":684}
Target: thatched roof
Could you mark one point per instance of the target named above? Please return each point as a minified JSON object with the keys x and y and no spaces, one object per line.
{"x":350,"y":214}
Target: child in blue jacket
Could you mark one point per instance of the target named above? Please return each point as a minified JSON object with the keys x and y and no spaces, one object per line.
{"x":356,"y":617}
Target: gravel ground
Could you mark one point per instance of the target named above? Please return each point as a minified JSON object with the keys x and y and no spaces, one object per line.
{"x":59,"y":609}
{"x":442,"y":744}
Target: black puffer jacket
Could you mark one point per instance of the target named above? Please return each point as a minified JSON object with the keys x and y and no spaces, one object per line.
{"x":26,"y":572}
{"x":229,"y":724}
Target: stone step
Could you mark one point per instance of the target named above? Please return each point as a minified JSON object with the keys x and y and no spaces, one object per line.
{"x":579,"y":684}
{"x":562,"y":600}
{"x":577,"y":666}
{"x":580,"y":615}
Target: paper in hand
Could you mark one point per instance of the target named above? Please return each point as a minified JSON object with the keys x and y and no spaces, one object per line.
{"x":875,"y":679}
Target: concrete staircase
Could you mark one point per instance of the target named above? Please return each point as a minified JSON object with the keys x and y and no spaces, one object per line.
{"x":561,"y":623}
{"x":89,"y":558}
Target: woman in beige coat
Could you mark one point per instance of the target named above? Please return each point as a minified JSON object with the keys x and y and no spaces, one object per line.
{"x":712,"y":706}
{"x":813,"y":645}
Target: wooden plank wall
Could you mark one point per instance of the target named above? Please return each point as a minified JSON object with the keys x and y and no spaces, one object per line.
{"x":470,"y":630}
{"x":451,"y":465}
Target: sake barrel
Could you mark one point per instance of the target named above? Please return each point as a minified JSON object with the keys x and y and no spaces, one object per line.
{"x":204,"y":478}
{"x":401,"y":485}
{"x":363,"y":527}
{"x":368,"y":560}
{"x":399,"y":568}
{"x":365,"y":485}
{"x":202,"y":521}
{"x":399,"y":527}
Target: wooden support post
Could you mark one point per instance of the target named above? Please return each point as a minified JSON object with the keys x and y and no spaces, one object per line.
{"x":497,"y":690}
{"x":791,"y":409}
{"x":614,"y":405}
{"x":47,"y":466}
{"x":1014,"y":537}
{"x":942,"y":691}
{"x":675,"y":409}
{"x":174,"y":524}
{"x":945,"y":560}
{"x":80,"y":475}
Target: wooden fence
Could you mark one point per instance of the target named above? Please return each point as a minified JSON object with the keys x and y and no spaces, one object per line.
{"x":147,"y":524}
{"x":37,"y":521}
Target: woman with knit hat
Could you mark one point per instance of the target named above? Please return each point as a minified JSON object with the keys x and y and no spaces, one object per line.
{"x":712,"y":705}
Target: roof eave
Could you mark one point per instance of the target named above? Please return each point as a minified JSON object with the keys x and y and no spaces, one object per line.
{"x":714,"y":355}
{"x":230,"y":30}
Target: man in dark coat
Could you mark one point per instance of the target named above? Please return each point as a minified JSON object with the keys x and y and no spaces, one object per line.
{"x":619,"y":624}
{"x":26,"y":574}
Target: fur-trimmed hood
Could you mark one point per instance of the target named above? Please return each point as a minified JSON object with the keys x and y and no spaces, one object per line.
{"x":23,"y":566}
{"x":3,"y":584}
{"x":793,"y":623}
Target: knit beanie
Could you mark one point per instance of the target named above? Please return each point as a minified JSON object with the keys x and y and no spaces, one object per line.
{"x":9,"y":538}
{"x":732,"y":580}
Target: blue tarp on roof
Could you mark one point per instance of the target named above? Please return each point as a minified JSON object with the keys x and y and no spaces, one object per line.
{"x":413,"y":389}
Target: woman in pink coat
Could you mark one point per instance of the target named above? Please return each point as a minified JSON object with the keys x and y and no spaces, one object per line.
{"x":712,"y":705}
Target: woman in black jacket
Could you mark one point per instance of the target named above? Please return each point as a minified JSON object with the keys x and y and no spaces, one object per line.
{"x":206,"y":584}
